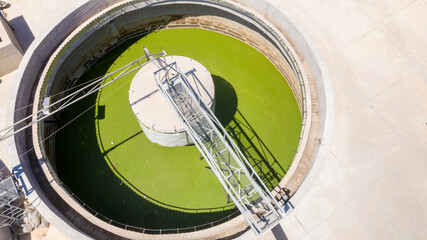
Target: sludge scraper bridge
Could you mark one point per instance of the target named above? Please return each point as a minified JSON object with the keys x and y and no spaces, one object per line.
{"x":230,"y":166}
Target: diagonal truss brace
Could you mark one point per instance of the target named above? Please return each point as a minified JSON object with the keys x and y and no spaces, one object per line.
{"x":233,"y":170}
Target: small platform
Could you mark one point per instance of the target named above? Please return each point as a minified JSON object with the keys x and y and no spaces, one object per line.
{"x":157,"y":120}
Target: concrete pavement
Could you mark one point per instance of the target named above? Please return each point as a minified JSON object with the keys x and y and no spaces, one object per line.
{"x":373,"y":184}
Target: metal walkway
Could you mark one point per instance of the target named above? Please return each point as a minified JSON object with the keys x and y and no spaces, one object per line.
{"x":236,"y":175}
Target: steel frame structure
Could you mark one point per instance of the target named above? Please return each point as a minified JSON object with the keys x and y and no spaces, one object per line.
{"x":9,"y":213}
{"x":239,"y":179}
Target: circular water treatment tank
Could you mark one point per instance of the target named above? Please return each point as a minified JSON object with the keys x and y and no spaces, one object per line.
{"x":267,"y":99}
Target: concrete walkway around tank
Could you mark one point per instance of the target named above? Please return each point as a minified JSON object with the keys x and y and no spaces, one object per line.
{"x":373,"y":184}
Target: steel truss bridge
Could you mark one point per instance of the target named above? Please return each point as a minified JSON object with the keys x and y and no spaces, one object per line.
{"x":238,"y":178}
{"x":230,"y":166}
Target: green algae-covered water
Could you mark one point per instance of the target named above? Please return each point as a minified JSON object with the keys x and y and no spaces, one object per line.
{"x":105,"y":159}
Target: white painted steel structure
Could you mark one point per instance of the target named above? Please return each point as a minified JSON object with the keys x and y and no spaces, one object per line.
{"x":233,"y":170}
{"x":9,"y":194}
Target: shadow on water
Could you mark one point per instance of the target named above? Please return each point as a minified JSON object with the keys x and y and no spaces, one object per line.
{"x":82,"y":167}
{"x":225,"y":100}
{"x":141,"y":193}
{"x":86,"y":173}
{"x":255,"y":151}
{"x":246,"y":138}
